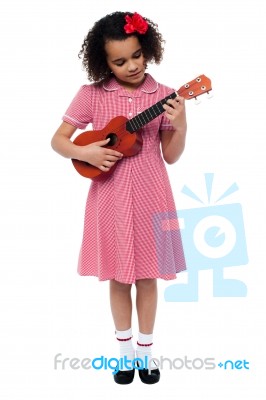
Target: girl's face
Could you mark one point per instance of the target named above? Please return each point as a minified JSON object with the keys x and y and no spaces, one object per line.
{"x":125,"y":59}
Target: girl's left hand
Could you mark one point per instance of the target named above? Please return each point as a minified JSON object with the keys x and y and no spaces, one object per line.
{"x":176,"y":112}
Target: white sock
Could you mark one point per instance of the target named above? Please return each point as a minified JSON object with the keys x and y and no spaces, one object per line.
{"x":126,"y":347}
{"x":144,"y":348}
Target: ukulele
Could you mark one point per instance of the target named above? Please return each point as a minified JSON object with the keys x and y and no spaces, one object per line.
{"x":123,"y":133}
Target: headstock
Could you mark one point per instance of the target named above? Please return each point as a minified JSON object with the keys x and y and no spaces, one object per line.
{"x":195,"y":88}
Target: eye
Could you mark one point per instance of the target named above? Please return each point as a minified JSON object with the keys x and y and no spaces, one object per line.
{"x":137,"y":55}
{"x":119,"y":64}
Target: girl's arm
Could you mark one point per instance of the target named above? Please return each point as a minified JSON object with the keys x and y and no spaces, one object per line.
{"x":173,"y":142}
{"x":94,"y":153}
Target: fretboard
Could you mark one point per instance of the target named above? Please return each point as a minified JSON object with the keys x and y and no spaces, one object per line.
{"x":148,"y":115}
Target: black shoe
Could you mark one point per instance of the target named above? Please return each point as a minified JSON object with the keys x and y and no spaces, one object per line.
{"x":124,"y":377}
{"x":149,"y":376}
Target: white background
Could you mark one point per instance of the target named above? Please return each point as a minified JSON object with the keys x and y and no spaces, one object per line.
{"x":46,"y":308}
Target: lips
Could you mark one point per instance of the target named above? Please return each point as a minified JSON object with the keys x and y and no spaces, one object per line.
{"x":137,"y":73}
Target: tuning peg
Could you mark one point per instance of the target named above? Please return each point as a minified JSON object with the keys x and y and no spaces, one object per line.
{"x":209,"y":95}
{"x":197,"y":101}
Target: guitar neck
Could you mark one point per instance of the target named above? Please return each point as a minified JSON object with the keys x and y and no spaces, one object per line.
{"x":148,"y":115}
{"x":190,"y":90}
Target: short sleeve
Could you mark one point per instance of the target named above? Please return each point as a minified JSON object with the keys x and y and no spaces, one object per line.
{"x":79,"y":112}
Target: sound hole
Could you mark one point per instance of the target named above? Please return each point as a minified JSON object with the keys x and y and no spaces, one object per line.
{"x":113,"y":139}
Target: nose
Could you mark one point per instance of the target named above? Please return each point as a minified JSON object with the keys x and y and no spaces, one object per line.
{"x":132,"y":67}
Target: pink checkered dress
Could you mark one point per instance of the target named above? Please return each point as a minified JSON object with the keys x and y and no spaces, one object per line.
{"x":130,"y":226}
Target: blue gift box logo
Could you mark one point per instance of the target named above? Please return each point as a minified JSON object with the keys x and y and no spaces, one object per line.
{"x":213,"y":238}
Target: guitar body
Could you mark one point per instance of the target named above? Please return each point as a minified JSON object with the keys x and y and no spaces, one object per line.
{"x":129,"y":144}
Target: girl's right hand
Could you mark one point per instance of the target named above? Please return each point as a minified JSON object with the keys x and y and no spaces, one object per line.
{"x":93,"y":153}
{"x":99,"y":156}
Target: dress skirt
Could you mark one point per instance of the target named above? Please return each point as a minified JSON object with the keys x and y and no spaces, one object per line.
{"x":131,"y":228}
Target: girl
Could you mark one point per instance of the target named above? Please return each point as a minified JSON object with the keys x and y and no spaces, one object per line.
{"x":127,"y":237}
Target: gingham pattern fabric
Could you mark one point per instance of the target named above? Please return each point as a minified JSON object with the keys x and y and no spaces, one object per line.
{"x":121,"y":240}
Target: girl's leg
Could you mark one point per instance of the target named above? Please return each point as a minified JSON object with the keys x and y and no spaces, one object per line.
{"x":121,"y":307}
{"x":121,"y":304}
{"x":146,"y":304}
{"x":146,"y":308}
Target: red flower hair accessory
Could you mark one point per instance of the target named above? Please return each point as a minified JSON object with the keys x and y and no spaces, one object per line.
{"x":136,"y":23}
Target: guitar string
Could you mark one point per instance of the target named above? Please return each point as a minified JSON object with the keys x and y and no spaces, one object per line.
{"x":136,"y":123}
{"x":147,"y":115}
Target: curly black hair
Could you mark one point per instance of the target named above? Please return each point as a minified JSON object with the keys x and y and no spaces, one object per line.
{"x":111,"y":27}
